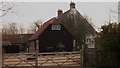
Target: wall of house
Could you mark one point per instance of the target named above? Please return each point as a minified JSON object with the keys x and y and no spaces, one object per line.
{"x":50,"y":40}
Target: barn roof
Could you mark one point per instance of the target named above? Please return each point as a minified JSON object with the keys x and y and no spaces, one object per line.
{"x":72,"y":18}
{"x":43,"y":27}
{"x":8,"y":39}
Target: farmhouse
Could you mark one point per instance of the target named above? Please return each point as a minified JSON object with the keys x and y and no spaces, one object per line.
{"x":63,"y":33}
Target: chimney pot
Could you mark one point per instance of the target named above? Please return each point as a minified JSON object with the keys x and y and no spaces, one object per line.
{"x":59,"y":12}
{"x":72,"y":5}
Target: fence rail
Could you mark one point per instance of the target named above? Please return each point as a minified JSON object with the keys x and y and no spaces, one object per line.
{"x":44,"y":59}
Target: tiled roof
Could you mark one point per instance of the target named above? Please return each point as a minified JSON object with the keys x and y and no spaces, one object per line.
{"x":15,"y":38}
{"x":43,"y":27}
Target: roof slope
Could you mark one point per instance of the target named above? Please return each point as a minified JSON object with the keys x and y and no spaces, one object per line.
{"x":43,"y":27}
{"x":15,"y":38}
{"x":76,"y":23}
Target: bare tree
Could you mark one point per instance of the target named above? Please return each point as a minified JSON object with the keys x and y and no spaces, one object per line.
{"x":31,"y":29}
{"x":4,"y":29}
{"x":6,"y":7}
{"x":38,"y":23}
{"x":13,"y":28}
{"x":34,"y":27}
{"x":10,"y":29}
{"x":21,"y":29}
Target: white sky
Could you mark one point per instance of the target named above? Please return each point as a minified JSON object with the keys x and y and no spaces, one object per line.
{"x":63,"y":0}
{"x":28,"y":12}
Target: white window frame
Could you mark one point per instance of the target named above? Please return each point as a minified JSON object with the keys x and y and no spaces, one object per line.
{"x":56,"y":27}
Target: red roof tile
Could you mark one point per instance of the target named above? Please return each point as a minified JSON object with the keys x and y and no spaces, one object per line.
{"x":43,"y":27}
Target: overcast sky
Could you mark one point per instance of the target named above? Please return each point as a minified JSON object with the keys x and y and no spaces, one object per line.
{"x":28,"y":12}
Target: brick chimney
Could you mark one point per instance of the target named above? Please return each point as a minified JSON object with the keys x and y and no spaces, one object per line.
{"x":59,"y":12}
{"x":72,"y":5}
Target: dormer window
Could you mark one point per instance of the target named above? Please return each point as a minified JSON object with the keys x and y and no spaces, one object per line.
{"x":56,"y":27}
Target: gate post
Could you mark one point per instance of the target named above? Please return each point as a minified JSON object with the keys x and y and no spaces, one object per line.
{"x":89,"y":52}
{"x":83,"y":54}
{"x":36,"y":54}
{"x":1,"y":51}
{"x":90,"y":57}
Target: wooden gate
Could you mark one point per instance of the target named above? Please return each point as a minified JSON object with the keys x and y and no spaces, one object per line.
{"x":44,"y":59}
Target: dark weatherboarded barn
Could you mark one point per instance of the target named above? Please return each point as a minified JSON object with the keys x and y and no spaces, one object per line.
{"x":53,"y":36}
{"x":63,"y":32}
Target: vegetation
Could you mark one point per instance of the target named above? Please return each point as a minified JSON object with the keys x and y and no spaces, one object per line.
{"x":6,"y":7}
{"x":14,"y":28}
{"x":109,"y":45}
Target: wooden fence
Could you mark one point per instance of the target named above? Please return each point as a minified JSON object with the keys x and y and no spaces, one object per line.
{"x":44,"y":59}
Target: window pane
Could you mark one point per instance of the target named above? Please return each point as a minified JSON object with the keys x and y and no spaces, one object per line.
{"x":56,"y":27}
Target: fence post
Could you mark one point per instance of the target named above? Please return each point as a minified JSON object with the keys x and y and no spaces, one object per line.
{"x":2,"y":60}
{"x":83,"y":55}
{"x":1,"y":51}
{"x":36,"y":55}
